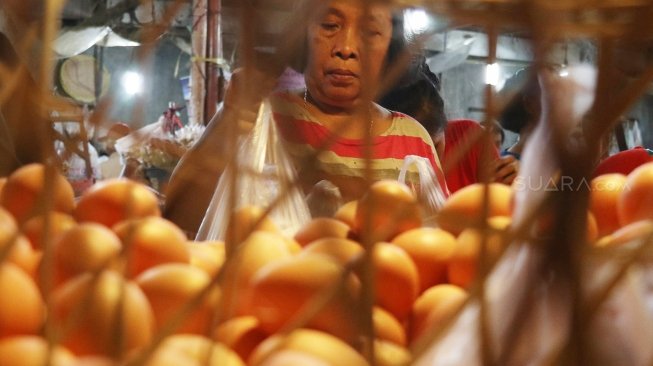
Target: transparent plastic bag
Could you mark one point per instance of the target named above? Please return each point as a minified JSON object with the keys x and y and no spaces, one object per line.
{"x":429,"y":191}
{"x":264,"y":170}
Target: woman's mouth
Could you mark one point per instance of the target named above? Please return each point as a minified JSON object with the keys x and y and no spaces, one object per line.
{"x":341,"y":75}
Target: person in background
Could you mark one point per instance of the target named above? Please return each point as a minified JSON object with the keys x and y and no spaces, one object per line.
{"x":523,"y":111}
{"x":498,"y":134}
{"x":469,"y":158}
{"x":417,"y":95}
{"x":325,"y":127}
{"x":459,"y":143}
{"x":111,"y":163}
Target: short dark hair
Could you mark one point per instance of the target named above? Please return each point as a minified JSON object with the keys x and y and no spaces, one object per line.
{"x":495,"y":127}
{"x":417,"y":95}
{"x":526,"y":89}
{"x":397,"y":44}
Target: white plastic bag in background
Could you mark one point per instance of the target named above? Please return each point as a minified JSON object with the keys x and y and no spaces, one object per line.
{"x":429,"y":193}
{"x":264,"y":169}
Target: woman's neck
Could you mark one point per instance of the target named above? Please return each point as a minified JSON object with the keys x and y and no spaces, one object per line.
{"x":345,"y":111}
{"x":351,"y":123}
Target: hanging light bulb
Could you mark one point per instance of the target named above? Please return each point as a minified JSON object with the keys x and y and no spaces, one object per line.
{"x":492,"y":74}
{"x":415,"y":21}
{"x":132,"y":82}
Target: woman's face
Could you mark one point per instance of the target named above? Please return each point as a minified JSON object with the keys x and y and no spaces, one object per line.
{"x":343,"y":44}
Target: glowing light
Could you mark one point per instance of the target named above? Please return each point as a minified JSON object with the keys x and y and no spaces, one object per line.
{"x":493,"y":74}
{"x":132,"y":82}
{"x":563,"y":72}
{"x":415,"y":21}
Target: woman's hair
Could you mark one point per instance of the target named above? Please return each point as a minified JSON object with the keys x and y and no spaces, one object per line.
{"x":495,"y":127}
{"x":398,"y":41}
{"x":417,"y":95}
{"x":523,"y":107}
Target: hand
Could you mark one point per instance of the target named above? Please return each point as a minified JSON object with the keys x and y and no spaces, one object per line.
{"x":245,"y":92}
{"x":506,"y":169}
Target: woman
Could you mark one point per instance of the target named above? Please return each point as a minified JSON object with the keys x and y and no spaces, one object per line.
{"x":332,"y":119}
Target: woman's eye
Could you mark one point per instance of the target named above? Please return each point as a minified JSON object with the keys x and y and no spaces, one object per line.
{"x":372,"y":32}
{"x":329,"y":26}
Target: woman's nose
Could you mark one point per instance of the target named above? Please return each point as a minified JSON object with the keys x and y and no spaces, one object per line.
{"x":346,"y":45}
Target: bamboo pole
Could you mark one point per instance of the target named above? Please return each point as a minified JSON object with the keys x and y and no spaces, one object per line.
{"x":198,"y":67}
{"x":214,"y":53}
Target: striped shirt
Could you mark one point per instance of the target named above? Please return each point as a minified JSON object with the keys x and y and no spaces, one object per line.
{"x":320,"y":155}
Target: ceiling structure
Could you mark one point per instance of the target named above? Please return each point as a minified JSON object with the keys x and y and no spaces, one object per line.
{"x":128,"y":17}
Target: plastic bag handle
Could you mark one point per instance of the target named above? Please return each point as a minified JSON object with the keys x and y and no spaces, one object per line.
{"x":430,"y":189}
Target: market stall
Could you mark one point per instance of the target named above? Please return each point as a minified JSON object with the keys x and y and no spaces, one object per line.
{"x":249,"y":257}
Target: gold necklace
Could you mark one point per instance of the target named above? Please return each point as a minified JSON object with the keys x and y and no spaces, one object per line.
{"x":369,"y":110}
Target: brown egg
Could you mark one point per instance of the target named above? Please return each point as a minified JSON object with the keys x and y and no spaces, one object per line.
{"x":391,"y":354}
{"x":21,"y":252}
{"x":464,"y":208}
{"x":241,"y":334}
{"x":33,"y":351}
{"x":197,"y":349}
{"x":87,"y":307}
{"x":636,"y":200}
{"x":430,"y":249}
{"x":208,"y":256}
{"x":87,"y":247}
{"x":434,"y":307}
{"x":386,"y":210}
{"x":151,"y":241}
{"x":22,"y":310}
{"x":246,"y":220}
{"x":315,"y":344}
{"x":34,"y":228}
{"x":396,"y":280}
{"x":627,"y":234}
{"x":342,"y":250}
{"x":347,"y":213}
{"x":463,"y":265}
{"x":319,"y":228}
{"x":114,"y":200}
{"x":604,"y":194}
{"x":169,"y":286}
{"x":280,"y":290}
{"x":24,"y":195}
{"x":387,"y":327}
{"x":258,"y":250}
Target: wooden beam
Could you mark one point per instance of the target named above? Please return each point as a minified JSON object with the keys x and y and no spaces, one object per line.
{"x":213,"y":52}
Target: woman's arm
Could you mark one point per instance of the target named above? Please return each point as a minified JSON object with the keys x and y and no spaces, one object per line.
{"x":195,"y":178}
{"x":193,"y":181}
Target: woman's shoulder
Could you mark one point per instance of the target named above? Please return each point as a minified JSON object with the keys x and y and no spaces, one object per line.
{"x":405,"y":125}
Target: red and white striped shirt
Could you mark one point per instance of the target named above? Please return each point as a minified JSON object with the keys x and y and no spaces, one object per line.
{"x":342,"y":160}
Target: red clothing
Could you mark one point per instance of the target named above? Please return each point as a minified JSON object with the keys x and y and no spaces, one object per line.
{"x":624,"y":162}
{"x":464,"y":134}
